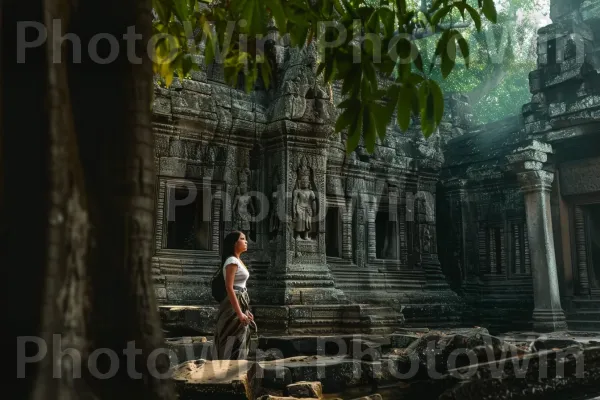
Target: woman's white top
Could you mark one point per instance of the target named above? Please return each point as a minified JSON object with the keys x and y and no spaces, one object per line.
{"x":241,"y":275}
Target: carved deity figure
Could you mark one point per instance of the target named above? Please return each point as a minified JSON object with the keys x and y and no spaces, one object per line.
{"x":243,"y":207}
{"x":304,"y":204}
{"x":426,"y":240}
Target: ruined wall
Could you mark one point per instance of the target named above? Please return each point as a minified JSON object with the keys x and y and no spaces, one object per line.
{"x":483,"y":207}
{"x":370,"y":255}
{"x":482,"y":215}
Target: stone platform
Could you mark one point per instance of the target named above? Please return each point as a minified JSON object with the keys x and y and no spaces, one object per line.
{"x":399,"y":365}
{"x":290,"y":320}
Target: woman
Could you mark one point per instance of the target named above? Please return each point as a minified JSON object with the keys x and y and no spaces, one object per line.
{"x":232,"y":334}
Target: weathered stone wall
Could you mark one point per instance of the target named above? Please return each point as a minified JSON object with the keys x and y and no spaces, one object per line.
{"x":226,"y":144}
{"x":484,"y":242}
{"x":482,"y":206}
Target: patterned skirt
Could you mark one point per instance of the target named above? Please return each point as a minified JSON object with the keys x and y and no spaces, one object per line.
{"x":232,"y":339}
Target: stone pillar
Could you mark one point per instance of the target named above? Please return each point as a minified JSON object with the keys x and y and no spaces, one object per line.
{"x":528,"y":162}
{"x":347,"y":213}
{"x":371,"y":232}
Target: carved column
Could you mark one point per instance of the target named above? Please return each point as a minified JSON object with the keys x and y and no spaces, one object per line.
{"x":528,"y":161}
{"x":427,"y":235}
{"x":360,"y":233}
{"x":347,"y":213}
{"x":457,"y":195}
{"x":582,"y":267}
{"x":371,"y":233}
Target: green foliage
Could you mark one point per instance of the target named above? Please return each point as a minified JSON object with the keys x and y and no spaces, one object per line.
{"x":233,"y":30}
{"x":501,"y":57}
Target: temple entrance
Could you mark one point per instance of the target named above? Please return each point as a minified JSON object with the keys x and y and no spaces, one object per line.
{"x":593,"y":245}
{"x":385,"y":237}
{"x":333,"y":232}
{"x":186,"y":227}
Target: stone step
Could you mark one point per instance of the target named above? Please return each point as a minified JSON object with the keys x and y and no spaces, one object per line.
{"x":582,"y":325}
{"x":388,"y":286}
{"x":586,"y":304}
{"x":585,"y":315}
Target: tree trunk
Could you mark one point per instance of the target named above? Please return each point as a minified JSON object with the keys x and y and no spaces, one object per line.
{"x":77,"y":192}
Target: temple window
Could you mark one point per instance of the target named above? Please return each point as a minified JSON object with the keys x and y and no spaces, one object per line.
{"x":188,"y":218}
{"x":333,"y":238}
{"x":385,"y":237}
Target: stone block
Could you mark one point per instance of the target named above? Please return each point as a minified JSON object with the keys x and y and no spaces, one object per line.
{"x":402,"y":340}
{"x":304,"y":390}
{"x":335,"y":373}
{"x":172,"y":166}
{"x":188,"y":349}
{"x":375,"y":396}
{"x":196,"y":86}
{"x":213,"y":379}
{"x":364,"y":350}
{"x":222,"y":95}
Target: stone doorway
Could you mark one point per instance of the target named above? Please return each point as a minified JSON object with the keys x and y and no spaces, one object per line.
{"x":333,"y":232}
{"x":587,"y":246}
{"x":593,"y":245}
{"x":188,"y":223}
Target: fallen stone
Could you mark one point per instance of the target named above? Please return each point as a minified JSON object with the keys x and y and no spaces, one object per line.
{"x":305,"y":390}
{"x":364,"y":350}
{"x":437,"y":352}
{"x":271,"y":397}
{"x":223,"y":379}
{"x":402,"y":340}
{"x":544,"y":343}
{"x":336,"y":373}
{"x":184,"y":349}
{"x":552,"y":375}
{"x":375,"y":396}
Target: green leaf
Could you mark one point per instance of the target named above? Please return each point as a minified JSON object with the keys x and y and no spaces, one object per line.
{"x":382,"y":118}
{"x":180,"y":7}
{"x":349,"y":103}
{"x":448,"y":58}
{"x":440,"y":14}
{"x":369,"y":130}
{"x":339,"y":8}
{"x":265,"y":72}
{"x":387,"y":19}
{"x":489,"y":10}
{"x":163,"y":9}
{"x":369,"y":71}
{"x":404,"y":107}
{"x":427,"y":110}
{"x":187,"y":64}
{"x":475,"y":16}
{"x":464,"y":49}
{"x":419,"y":62}
{"x":345,"y":119}
{"x":278,"y":14}
{"x":438,"y":101}
{"x":354,"y":132}
{"x":320,"y":68}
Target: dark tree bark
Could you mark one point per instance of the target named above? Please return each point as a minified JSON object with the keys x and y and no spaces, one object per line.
{"x":77,"y":194}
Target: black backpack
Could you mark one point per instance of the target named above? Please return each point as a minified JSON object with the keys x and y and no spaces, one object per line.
{"x":218,"y":286}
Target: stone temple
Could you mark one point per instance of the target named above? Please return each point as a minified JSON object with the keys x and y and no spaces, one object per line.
{"x":495,"y":226}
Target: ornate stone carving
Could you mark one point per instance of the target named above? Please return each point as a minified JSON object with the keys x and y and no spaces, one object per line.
{"x":276,"y":197}
{"x":243,"y":207}
{"x":304,"y":202}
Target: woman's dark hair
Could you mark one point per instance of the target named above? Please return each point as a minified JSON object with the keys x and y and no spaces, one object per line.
{"x":229,"y":245}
